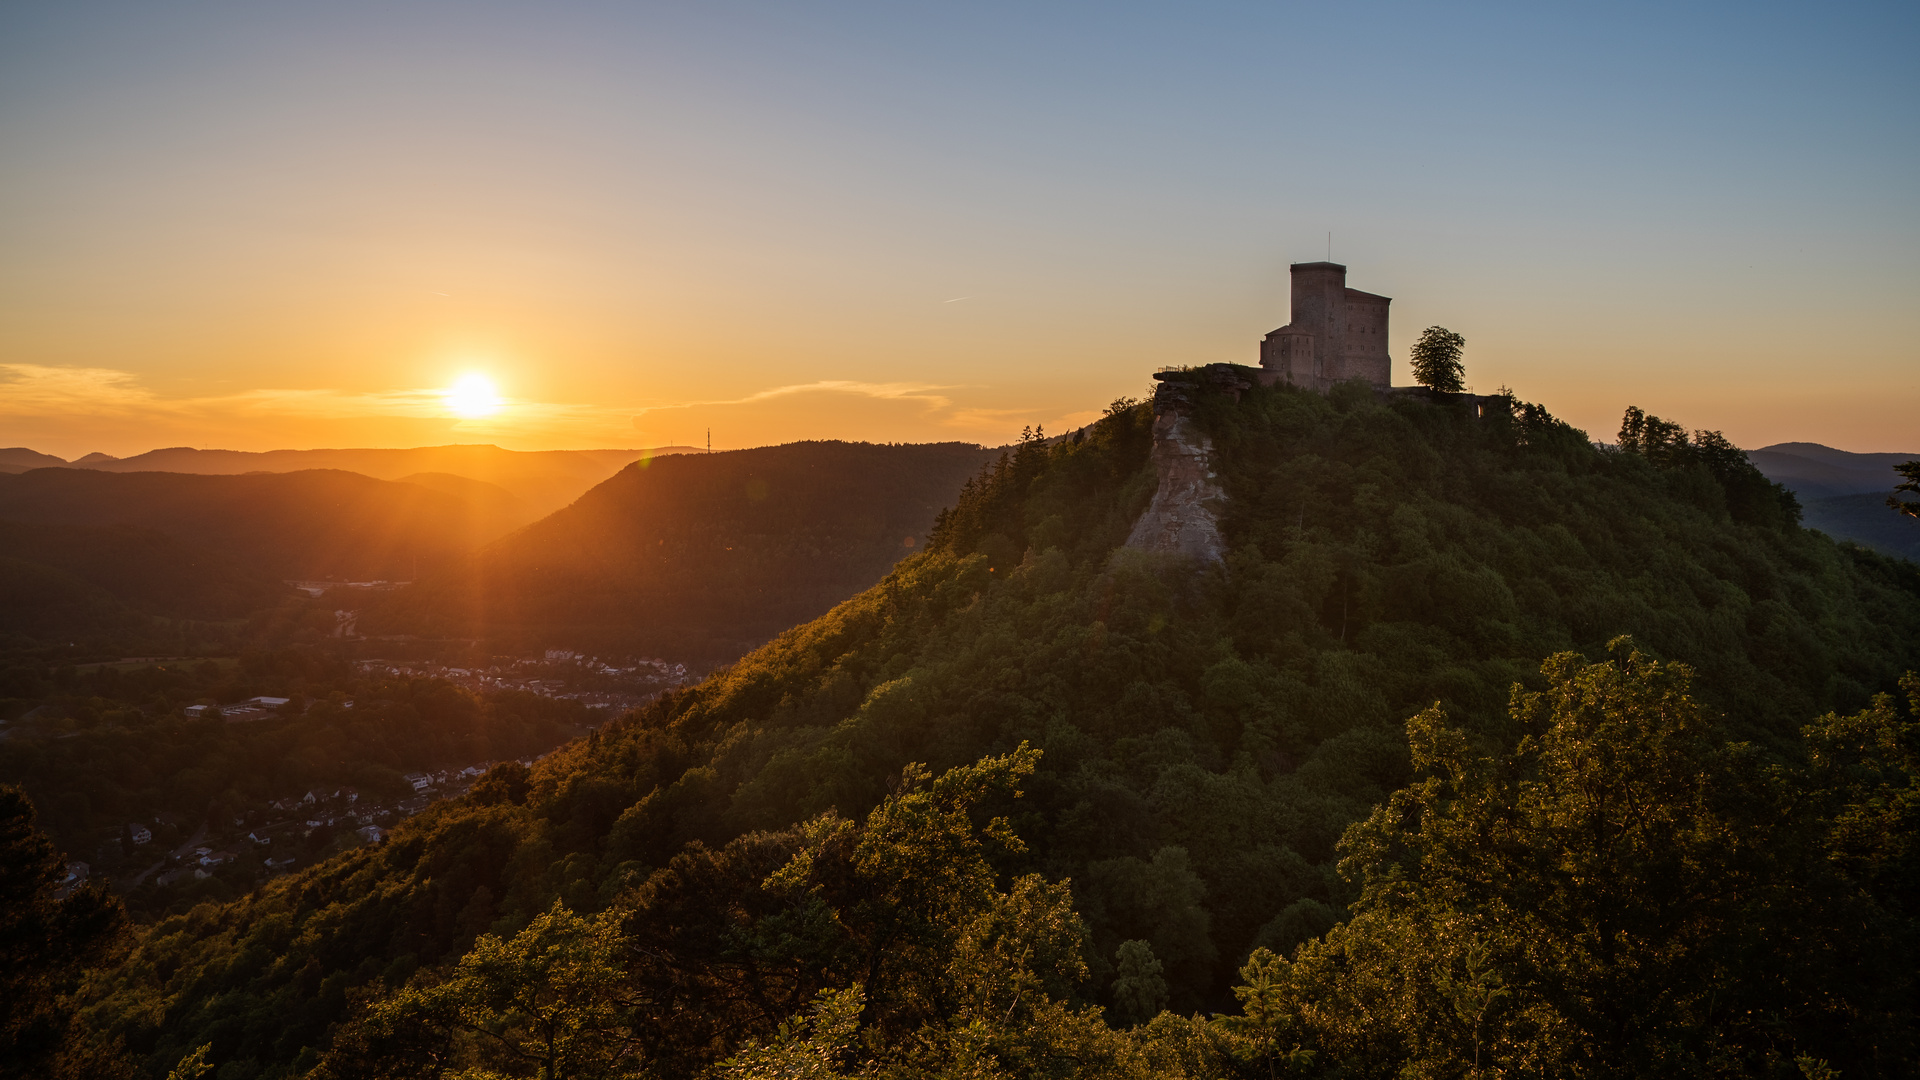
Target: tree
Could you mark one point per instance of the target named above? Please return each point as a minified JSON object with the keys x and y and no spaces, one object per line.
{"x":1591,"y":903}
{"x":1910,"y":470}
{"x":46,"y":939}
{"x":806,"y":1047}
{"x":1861,"y":801}
{"x":959,"y":978}
{"x":1255,"y":1037}
{"x":1436,"y":360}
{"x":194,"y":1065}
{"x":1139,"y":991}
{"x":544,"y":1004}
{"x":1750,"y":496}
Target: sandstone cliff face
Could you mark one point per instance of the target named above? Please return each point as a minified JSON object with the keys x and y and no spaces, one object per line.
{"x":1180,"y":520}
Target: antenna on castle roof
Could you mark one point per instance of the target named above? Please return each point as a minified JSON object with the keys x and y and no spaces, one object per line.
{"x":1329,"y":245}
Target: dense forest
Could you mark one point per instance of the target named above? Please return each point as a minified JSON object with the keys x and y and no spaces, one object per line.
{"x":1391,"y":792}
{"x":318,"y":524}
{"x":112,"y":748}
{"x":697,"y":556}
{"x":122,"y":590}
{"x":542,"y":481}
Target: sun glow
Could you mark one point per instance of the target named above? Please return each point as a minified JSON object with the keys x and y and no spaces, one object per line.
{"x":473,"y":396}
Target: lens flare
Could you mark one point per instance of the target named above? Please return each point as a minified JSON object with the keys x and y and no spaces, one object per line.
{"x":473,"y":396}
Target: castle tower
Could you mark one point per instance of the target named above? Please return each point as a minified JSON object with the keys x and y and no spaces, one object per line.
{"x":1336,"y":334}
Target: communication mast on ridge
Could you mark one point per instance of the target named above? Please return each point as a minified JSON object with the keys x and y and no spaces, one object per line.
{"x":709,"y":440}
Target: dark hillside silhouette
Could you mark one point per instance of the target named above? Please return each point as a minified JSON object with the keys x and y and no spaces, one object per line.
{"x":1844,"y":493}
{"x":1813,"y":471}
{"x":545,"y":480}
{"x":322,"y":523}
{"x":14,"y":459}
{"x":65,"y":578}
{"x":697,"y":556}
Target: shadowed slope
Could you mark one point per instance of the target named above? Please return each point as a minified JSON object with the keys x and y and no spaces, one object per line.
{"x":316,"y":524}
{"x":544,"y":479}
{"x":699,"y":556}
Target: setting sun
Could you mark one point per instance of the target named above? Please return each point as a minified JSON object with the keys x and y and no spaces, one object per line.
{"x":473,"y":396}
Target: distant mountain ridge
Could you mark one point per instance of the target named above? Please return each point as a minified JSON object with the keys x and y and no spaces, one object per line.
{"x":317,"y":523}
{"x":15,"y":459}
{"x":1813,"y":471}
{"x":544,"y":480}
{"x":1844,"y":493}
{"x":697,"y":556}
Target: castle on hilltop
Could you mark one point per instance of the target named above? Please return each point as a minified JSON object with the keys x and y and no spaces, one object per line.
{"x":1336,"y":334}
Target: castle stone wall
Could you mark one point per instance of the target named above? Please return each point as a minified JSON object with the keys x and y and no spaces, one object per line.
{"x":1336,"y":333}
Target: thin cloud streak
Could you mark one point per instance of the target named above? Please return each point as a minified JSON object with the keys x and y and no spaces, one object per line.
{"x":883,"y":391}
{"x":41,"y":399}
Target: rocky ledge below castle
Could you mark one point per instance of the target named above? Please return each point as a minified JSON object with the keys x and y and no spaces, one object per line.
{"x":1182,"y":519}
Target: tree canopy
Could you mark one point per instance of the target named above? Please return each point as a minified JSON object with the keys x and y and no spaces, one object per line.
{"x":1436,"y":360}
{"x":1620,"y":893}
{"x":1206,"y":737}
{"x":49,"y":933}
{"x":1910,"y":483}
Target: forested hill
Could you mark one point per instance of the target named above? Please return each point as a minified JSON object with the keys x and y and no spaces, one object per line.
{"x":543,"y":480}
{"x":320,"y":523}
{"x":1205,"y":736}
{"x":696,"y":556}
{"x":1845,"y":494}
{"x":106,"y":584}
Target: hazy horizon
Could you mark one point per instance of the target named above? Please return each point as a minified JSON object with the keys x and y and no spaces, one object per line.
{"x":261,"y":227}
{"x":694,"y":447}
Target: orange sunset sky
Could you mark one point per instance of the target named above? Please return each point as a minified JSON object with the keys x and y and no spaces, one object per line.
{"x":257,"y":226}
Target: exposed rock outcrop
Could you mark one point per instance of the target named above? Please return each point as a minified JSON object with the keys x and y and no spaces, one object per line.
{"x":1182,"y":520}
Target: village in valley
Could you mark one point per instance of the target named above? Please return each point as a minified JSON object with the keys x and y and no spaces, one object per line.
{"x":170,"y":850}
{"x":272,"y":839}
{"x":562,"y":674}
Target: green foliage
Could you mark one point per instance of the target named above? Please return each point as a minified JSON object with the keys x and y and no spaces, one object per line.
{"x":1080,"y":497}
{"x":1859,"y":801}
{"x":809,"y":1047}
{"x":1909,"y":483}
{"x":1749,"y":495}
{"x":1436,"y":360}
{"x":48,"y":937}
{"x":1209,"y":735}
{"x":1619,"y":894}
{"x":544,"y":1004}
{"x":193,"y":1066}
{"x":1139,"y":992}
{"x":124,"y":753}
{"x":916,"y":962}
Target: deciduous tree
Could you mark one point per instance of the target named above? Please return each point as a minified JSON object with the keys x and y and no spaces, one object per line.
{"x":1436,"y":360}
{"x":48,"y":936}
{"x":1584,"y":905}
